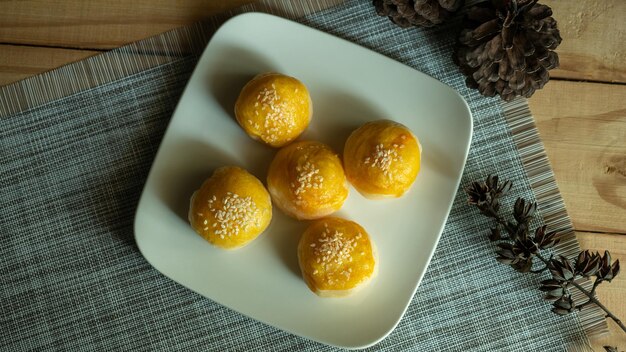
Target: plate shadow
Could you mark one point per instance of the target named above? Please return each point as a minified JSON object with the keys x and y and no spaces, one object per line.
{"x":284,"y":234}
{"x":175,"y":186}
{"x":340,"y":114}
{"x":238,"y":66}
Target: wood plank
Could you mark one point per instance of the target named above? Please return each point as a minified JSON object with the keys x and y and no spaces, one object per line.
{"x":19,"y":62}
{"x":99,"y":24}
{"x":592,"y":49}
{"x":583,"y":127}
{"x":611,"y":294}
{"x":594,"y":37}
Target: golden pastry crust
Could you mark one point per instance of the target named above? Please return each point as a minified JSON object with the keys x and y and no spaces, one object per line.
{"x":307,"y":181}
{"x":336,"y":257}
{"x":382,"y":159}
{"x":231,"y":208}
{"x":274,"y":108}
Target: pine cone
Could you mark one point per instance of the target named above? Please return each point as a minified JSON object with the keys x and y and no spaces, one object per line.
{"x":506,"y":47}
{"x":419,"y":13}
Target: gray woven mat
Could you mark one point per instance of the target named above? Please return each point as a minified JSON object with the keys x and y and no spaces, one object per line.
{"x":72,"y":168}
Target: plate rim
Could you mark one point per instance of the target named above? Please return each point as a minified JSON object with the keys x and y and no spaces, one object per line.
{"x":253,"y":14}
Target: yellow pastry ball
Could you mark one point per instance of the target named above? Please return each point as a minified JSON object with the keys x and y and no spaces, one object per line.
{"x":382,"y":159}
{"x":231,"y":208}
{"x":274,"y":108}
{"x":306,"y":180}
{"x":336,"y":257}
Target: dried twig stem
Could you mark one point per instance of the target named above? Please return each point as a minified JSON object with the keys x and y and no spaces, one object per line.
{"x":518,"y":247}
{"x":590,"y":295}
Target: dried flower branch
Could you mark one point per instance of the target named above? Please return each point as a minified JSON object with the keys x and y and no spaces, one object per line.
{"x":519,"y":248}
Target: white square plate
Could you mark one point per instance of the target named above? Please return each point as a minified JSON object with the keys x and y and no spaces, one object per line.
{"x":349,"y":85}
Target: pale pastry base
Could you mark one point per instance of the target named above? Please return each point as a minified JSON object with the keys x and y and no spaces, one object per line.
{"x":193,"y":196}
{"x":380,"y":196}
{"x":288,"y":208}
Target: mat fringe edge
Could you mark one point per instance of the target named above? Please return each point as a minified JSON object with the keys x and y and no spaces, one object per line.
{"x":541,"y":177}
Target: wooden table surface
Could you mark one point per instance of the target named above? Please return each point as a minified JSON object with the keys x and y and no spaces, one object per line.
{"x":581,"y":113}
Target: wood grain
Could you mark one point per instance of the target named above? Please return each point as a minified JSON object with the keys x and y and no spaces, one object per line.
{"x":583,"y":127}
{"x":594,"y":39}
{"x":99,"y":24}
{"x":612,"y":294}
{"x":593,"y":30}
{"x":103,"y":25}
{"x":19,"y":62}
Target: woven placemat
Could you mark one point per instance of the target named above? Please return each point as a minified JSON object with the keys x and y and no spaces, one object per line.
{"x":76,"y":145}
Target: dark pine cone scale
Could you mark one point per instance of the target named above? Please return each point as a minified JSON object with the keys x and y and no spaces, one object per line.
{"x":507,"y":47}
{"x":419,"y":13}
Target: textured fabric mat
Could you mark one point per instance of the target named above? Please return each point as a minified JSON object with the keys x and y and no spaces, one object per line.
{"x":72,"y":168}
